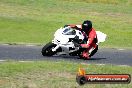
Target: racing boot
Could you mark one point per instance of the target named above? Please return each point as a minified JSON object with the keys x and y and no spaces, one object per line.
{"x":85,"y":55}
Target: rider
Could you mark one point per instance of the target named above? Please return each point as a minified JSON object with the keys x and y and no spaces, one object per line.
{"x":91,"y":35}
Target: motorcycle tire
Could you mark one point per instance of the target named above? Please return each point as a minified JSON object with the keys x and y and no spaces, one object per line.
{"x":47,"y":49}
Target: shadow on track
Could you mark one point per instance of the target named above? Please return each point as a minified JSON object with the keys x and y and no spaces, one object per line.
{"x":96,"y":58}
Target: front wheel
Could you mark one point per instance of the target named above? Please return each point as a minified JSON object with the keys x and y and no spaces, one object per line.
{"x":47,"y":49}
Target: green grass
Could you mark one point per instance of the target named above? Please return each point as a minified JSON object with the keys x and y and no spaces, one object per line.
{"x":126,"y":2}
{"x":35,"y":21}
{"x":50,"y":74}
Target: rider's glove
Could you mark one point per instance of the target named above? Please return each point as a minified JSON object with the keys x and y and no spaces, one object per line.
{"x":66,"y":25}
{"x":76,"y":28}
{"x":84,"y":46}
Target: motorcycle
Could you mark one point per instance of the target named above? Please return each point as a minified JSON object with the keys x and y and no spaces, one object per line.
{"x":67,"y":41}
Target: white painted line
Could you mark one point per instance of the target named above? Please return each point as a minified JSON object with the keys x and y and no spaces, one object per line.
{"x":85,"y":63}
{"x":30,"y":45}
{"x":105,"y":64}
{"x":124,"y":65}
{"x":5,"y":44}
{"x":100,"y":64}
{"x":2,"y":60}
{"x":92,"y":63}
{"x":25,"y":61}
{"x":25,"y":44}
{"x":121,"y":49}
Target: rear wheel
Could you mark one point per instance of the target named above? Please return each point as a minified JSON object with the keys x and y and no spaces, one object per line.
{"x":47,"y":49}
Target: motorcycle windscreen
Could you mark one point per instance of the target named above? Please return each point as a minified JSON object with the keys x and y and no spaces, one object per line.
{"x":69,"y":31}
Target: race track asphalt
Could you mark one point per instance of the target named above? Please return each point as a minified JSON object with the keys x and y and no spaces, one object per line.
{"x":31,"y":53}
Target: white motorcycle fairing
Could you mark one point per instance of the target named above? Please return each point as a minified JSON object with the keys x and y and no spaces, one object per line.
{"x":62,"y":37}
